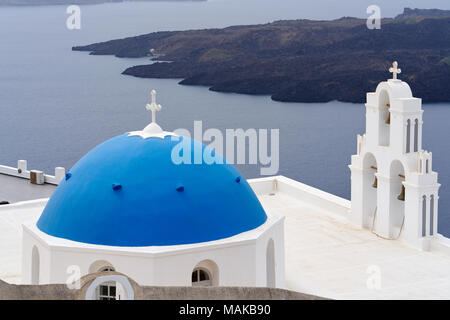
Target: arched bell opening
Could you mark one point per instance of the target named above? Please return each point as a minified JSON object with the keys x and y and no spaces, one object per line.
{"x":370,"y":189}
{"x":385,"y":118}
{"x":397,"y":199}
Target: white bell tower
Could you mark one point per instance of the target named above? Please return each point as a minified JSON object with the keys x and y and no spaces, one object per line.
{"x":394,"y":189}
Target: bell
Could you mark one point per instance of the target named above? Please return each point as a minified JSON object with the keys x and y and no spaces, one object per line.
{"x":401,"y":196}
{"x":388,"y":120}
{"x":375,"y":183}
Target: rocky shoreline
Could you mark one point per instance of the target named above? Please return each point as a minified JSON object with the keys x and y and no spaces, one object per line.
{"x":299,"y":60}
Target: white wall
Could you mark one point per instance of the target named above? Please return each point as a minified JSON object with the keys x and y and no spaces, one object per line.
{"x":240,"y":260}
{"x":28,"y":242}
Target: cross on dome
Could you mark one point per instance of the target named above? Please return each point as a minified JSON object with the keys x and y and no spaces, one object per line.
{"x":153,"y":107}
{"x":153,"y":130}
{"x":395,"y":70}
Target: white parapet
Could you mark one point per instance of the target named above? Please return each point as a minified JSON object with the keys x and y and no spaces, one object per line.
{"x":22,"y":172}
{"x":313,"y":197}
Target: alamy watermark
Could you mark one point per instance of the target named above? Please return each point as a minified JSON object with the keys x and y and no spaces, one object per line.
{"x":73,"y":281}
{"x":251,"y":146}
{"x":374,"y":279}
{"x":73,"y":22}
{"x":374,"y":19}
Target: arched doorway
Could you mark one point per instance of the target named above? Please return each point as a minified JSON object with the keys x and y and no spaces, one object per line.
{"x":370,"y":189}
{"x":205,"y":273}
{"x":35,"y":265}
{"x":270,"y":264}
{"x":397,"y":198}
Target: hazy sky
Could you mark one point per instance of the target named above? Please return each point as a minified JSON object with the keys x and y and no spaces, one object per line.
{"x":261,"y":10}
{"x":389,"y":8}
{"x":329,"y":9}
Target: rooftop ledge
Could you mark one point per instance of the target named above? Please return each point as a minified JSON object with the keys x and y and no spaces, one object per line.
{"x":20,"y":184}
{"x":328,"y":256}
{"x":22,"y":172}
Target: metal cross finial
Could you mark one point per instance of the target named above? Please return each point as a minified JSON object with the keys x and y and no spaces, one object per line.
{"x":153,"y":107}
{"x":395,"y":70}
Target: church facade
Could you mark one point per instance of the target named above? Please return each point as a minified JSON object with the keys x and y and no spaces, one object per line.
{"x":127,"y":207}
{"x":127,"y":210}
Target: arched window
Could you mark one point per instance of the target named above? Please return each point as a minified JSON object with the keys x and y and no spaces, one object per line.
{"x":107,"y":290}
{"x":416,"y":135}
{"x":35,"y":266}
{"x":431,"y":215}
{"x":201,"y":278}
{"x":106,"y":269}
{"x":428,"y":166}
{"x":408,"y":136}
{"x":424,"y":216}
{"x":124,"y":290}
{"x":101,"y":266}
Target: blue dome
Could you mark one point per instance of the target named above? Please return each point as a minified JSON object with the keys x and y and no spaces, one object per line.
{"x":128,"y":192}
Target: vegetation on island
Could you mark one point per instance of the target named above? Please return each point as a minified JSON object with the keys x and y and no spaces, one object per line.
{"x":300,"y":60}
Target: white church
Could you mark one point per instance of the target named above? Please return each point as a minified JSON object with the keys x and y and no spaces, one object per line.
{"x":126,"y":207}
